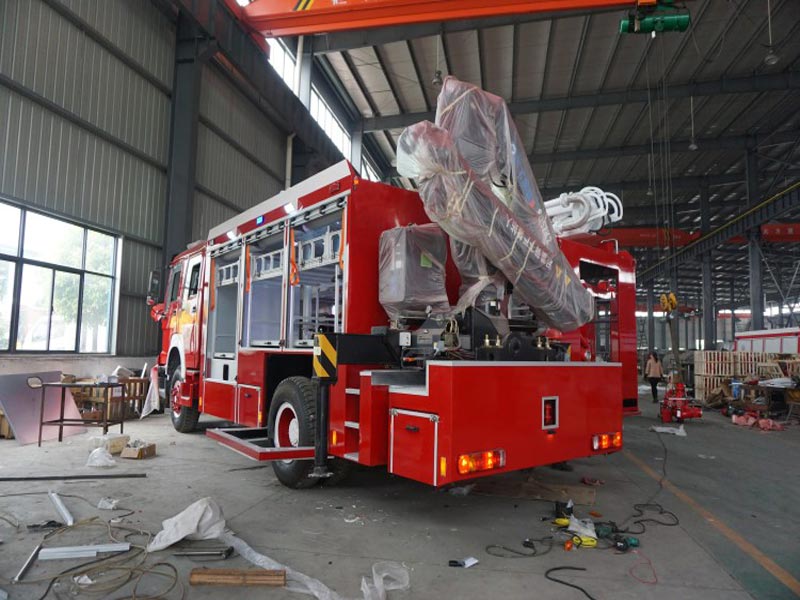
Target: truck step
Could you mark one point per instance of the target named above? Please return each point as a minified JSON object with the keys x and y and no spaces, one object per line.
{"x":253,"y":443}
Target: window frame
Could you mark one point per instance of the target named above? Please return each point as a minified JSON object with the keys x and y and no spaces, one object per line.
{"x":20,"y":261}
{"x":193,"y":284}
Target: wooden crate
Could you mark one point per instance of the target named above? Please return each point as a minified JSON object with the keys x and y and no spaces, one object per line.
{"x":713,"y":363}
{"x":746,"y":363}
{"x":792,"y":367}
{"x":5,"y":427}
{"x":769,"y":370}
{"x":704,"y":385}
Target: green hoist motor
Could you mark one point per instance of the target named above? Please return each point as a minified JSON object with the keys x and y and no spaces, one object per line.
{"x":660,"y":18}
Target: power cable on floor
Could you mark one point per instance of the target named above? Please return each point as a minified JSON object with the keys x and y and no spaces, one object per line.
{"x":501,"y":551}
{"x":567,"y":583}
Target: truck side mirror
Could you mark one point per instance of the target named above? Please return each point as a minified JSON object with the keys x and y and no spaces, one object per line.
{"x":154,"y":287}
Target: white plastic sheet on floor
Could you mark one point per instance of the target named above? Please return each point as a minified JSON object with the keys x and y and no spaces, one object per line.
{"x":679,"y":431}
{"x":204,"y":520}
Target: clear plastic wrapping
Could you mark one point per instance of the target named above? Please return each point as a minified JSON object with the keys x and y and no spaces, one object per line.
{"x":412,"y":271}
{"x":481,"y":282}
{"x":476,"y":183}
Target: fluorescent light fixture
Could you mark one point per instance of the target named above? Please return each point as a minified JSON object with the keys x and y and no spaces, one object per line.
{"x":289,"y":208}
{"x":231,"y":235}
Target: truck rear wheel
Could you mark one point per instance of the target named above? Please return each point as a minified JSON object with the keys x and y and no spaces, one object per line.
{"x":292,"y":418}
{"x":184,"y":418}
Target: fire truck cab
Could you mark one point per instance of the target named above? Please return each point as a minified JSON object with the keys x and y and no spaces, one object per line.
{"x":435,"y":399}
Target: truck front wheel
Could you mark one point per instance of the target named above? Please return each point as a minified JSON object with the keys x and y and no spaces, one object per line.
{"x":292,"y":418}
{"x":184,"y":418}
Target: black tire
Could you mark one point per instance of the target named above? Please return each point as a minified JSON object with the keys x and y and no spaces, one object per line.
{"x":292,"y":419}
{"x":184,"y":418}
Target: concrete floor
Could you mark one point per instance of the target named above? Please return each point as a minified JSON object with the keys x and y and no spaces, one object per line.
{"x":750,"y":485}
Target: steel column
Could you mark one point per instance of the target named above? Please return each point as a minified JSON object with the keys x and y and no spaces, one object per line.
{"x":356,"y":149}
{"x":651,"y":324}
{"x":755,"y":272}
{"x":685,"y":334}
{"x":246,"y":55}
{"x":305,"y":62}
{"x":192,"y":49}
{"x":709,"y":312}
{"x":733,"y":310}
{"x":756,"y":276}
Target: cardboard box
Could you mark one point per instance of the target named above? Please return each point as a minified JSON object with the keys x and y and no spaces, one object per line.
{"x":146,"y":451}
{"x":113,"y":442}
{"x":92,"y":415}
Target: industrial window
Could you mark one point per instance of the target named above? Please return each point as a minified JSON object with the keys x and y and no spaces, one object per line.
{"x":57,"y":284}
{"x":284,"y":63}
{"x":323,"y":115}
{"x":369,"y":171}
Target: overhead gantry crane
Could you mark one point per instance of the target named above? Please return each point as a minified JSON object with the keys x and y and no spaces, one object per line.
{"x":277,"y":18}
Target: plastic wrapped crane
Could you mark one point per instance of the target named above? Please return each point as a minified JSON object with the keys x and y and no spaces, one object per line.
{"x":476,"y":183}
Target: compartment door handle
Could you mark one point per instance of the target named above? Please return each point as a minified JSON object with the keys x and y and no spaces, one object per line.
{"x":412,"y":428}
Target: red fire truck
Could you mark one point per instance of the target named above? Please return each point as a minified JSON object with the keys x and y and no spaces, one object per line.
{"x":274,"y":323}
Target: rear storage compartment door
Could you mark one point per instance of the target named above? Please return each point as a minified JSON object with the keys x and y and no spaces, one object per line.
{"x":248,"y":401}
{"x":414,"y":445}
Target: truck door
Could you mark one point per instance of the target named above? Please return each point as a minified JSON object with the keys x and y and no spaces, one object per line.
{"x":173,"y":303}
{"x":190,"y":313}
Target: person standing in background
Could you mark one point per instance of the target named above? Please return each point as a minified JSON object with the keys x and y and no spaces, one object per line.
{"x":653,"y":371}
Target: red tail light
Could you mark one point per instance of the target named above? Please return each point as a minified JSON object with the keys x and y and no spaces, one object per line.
{"x":481,"y":461}
{"x":604,"y":441}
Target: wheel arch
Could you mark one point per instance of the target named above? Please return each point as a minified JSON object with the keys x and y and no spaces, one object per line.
{"x":176,"y":354}
{"x":283,"y":366}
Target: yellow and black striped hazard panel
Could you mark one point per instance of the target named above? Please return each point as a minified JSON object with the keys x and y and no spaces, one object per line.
{"x":303,"y":4}
{"x":324,"y":357}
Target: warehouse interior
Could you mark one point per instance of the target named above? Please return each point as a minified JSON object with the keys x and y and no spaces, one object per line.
{"x":154,"y":151}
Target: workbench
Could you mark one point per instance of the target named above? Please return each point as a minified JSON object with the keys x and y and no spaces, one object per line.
{"x":776,"y":397}
{"x":107,"y":398}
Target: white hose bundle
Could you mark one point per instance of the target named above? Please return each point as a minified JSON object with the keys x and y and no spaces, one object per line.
{"x":588,"y":210}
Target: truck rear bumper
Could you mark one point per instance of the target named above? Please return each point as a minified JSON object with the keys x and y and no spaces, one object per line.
{"x":254,"y":443}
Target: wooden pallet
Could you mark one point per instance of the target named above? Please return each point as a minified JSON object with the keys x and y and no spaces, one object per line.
{"x":704,"y":385}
